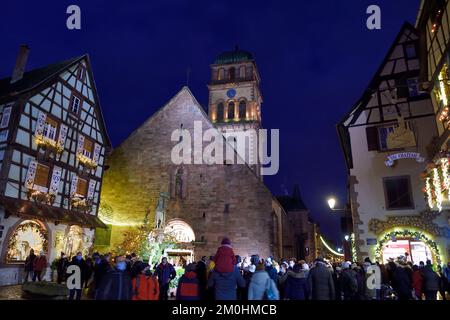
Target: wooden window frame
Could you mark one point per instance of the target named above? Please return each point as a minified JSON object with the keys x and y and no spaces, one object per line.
{"x":49,"y":116}
{"x":80,"y":74}
{"x":79,"y":97}
{"x":410,"y":192}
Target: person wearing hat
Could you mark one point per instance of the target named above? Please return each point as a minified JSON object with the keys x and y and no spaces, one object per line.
{"x":225,"y":259}
{"x":145,"y":285}
{"x":320,"y":281}
{"x":348,"y":282}
{"x":188,"y":285}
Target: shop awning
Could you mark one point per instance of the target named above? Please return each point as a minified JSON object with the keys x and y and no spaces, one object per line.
{"x":35,"y":210}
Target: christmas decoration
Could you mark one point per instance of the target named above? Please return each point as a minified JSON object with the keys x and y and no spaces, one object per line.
{"x":407,"y":234}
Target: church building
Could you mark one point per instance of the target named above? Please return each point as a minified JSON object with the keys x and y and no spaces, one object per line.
{"x":202,"y":202}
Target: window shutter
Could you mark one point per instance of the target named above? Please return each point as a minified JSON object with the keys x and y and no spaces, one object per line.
{"x":56,"y":178}
{"x":373,"y":142}
{"x":5,"y":117}
{"x":80,"y":144}
{"x":73,"y":185}
{"x":42,"y":116}
{"x":91,"y":189}
{"x":97,"y":150}
{"x":62,"y":134}
{"x":29,"y":181}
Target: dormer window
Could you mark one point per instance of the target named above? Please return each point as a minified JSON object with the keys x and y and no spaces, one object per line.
{"x":50,"y":129}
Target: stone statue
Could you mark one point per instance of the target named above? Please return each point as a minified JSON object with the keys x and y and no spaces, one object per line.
{"x":160,"y":214}
{"x":179,"y":183}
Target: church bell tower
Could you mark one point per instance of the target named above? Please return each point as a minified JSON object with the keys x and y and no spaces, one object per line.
{"x":235,"y":100}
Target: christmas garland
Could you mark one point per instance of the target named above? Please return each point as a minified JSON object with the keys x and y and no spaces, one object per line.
{"x":22,"y":228}
{"x":408,"y":234}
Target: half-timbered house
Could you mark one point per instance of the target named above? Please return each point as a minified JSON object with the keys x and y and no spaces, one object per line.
{"x":384,"y":138}
{"x":53,"y":142}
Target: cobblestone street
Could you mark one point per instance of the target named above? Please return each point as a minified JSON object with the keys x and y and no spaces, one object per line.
{"x":11,"y":292}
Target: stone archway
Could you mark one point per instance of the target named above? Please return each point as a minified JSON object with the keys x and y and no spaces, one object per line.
{"x":180,"y":230}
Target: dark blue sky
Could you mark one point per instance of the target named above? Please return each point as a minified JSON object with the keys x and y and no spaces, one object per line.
{"x":315,"y":59}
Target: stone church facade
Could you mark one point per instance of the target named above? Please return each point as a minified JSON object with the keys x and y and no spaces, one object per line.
{"x":203,"y":202}
{"x":215,"y":201}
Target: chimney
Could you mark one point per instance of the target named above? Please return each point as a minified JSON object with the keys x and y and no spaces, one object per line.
{"x":21,"y":62}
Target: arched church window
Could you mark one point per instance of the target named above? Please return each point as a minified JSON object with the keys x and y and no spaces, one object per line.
{"x":231,"y":110}
{"x":220,"y":110}
{"x":242,"y":72}
{"x":221,"y":74}
{"x":242,"y":109}
{"x":28,"y":235}
{"x":232,"y":73}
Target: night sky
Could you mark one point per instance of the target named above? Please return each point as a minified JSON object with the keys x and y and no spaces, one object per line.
{"x":314,"y":59}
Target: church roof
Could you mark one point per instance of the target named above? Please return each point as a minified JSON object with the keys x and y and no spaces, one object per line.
{"x":294,"y":202}
{"x":233,"y":56}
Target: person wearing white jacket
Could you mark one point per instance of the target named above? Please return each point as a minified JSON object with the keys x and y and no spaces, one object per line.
{"x":260,"y":283}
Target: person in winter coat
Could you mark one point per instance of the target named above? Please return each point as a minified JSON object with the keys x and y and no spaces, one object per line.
{"x":145,"y":285}
{"x":101,"y":269}
{"x":166,"y":273}
{"x":401,"y":280}
{"x":28,"y":267}
{"x":348,"y":282}
{"x":78,"y":261}
{"x":417,"y":282}
{"x":39,"y":265}
{"x":61,"y":267}
{"x":188,"y":284}
{"x":116,"y":284}
{"x":201,"y":272}
{"x":296,"y":287}
{"x":370,"y":292}
{"x":225,"y":260}
{"x":320,"y":282}
{"x":261,"y":282}
{"x":430,"y":282}
{"x":225,"y":284}
{"x":271,"y":270}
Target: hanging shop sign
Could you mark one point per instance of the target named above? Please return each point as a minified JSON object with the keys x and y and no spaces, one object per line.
{"x":403,"y":155}
{"x":371,"y":242}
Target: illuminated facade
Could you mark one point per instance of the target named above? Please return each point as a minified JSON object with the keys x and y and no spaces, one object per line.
{"x":52,"y":150}
{"x":385,"y":139}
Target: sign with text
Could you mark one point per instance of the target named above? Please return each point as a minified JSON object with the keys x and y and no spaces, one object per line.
{"x":403,"y":155}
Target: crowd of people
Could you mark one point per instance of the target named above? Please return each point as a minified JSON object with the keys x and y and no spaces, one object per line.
{"x":225,"y":276}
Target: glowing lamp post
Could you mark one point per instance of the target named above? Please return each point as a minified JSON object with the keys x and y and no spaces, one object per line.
{"x":346,"y":225}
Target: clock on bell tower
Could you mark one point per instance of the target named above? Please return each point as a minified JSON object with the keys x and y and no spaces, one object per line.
{"x":235,"y":99}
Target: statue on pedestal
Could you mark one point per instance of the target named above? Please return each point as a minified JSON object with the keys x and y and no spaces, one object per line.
{"x":160,"y":214}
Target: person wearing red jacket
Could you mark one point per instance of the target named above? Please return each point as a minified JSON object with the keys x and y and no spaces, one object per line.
{"x":188,"y":287}
{"x":417,"y":282}
{"x":39,"y":265}
{"x":145,"y":285}
{"x":225,"y":259}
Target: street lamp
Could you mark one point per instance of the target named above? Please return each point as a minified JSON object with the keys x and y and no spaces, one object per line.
{"x":331,"y":203}
{"x":347,"y":237}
